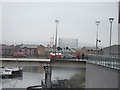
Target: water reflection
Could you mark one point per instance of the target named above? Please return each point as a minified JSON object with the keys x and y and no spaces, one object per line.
{"x":30,"y":77}
{"x":65,"y":72}
{"x":68,"y":77}
{"x":33,"y":76}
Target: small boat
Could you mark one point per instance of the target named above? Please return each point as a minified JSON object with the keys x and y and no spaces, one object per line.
{"x":11,"y":72}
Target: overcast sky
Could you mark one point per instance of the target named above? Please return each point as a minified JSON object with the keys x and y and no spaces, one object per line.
{"x":34,"y":22}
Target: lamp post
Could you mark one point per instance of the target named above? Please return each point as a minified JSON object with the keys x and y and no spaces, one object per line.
{"x":97,"y":23}
{"x":111,"y":20}
{"x":56,"y":21}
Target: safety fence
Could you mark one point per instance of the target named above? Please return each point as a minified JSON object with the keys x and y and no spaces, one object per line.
{"x":107,"y":61}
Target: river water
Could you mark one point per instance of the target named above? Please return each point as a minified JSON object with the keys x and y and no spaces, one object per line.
{"x":33,"y":76}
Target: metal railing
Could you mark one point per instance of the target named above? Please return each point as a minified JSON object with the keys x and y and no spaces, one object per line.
{"x":107,"y":61}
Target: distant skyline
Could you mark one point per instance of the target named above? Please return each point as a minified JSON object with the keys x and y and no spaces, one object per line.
{"x":34,"y":22}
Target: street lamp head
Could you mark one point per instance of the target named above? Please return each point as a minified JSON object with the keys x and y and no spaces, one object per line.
{"x":111,"y":19}
{"x":56,"y":21}
{"x":97,"y":22}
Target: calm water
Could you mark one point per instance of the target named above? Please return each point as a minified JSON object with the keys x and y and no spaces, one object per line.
{"x":34,"y":75}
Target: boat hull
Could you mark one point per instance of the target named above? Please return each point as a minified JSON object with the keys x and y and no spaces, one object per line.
{"x":17,"y":73}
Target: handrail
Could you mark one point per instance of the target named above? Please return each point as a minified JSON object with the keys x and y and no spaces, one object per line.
{"x":111,"y":62}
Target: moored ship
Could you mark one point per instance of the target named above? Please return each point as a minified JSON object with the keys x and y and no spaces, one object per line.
{"x":11,"y":72}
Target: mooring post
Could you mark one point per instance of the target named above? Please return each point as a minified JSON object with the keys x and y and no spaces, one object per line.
{"x":48,"y":76}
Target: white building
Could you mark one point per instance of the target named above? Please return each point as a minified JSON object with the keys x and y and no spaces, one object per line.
{"x":68,"y":42}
